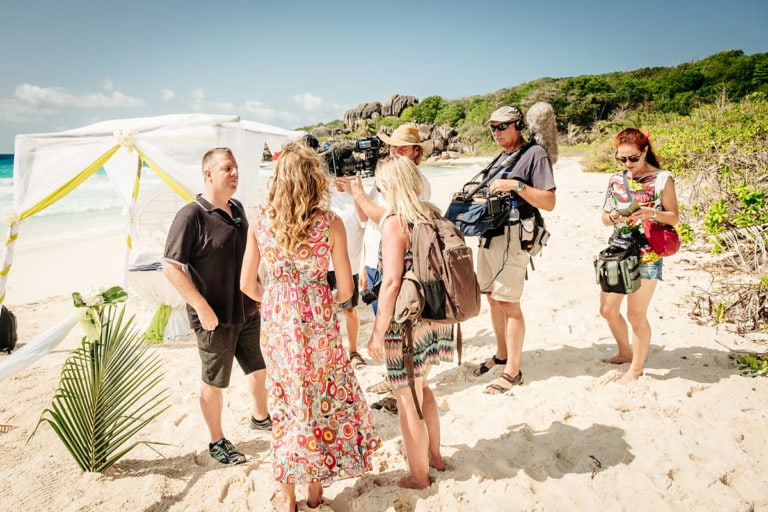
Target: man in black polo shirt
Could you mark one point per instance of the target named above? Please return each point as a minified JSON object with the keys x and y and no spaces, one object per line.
{"x":203,"y":256}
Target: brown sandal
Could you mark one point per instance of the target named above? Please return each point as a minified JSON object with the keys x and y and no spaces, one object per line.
{"x":388,"y":403}
{"x":357,"y":360}
{"x":484,"y":368}
{"x":501,"y":390}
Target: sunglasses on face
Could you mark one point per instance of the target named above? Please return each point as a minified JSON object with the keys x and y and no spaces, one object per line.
{"x":500,"y":127}
{"x":633,"y":158}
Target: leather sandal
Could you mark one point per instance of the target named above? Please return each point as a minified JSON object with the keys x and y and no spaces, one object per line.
{"x":388,"y":403}
{"x":380,"y":387}
{"x":501,"y":390}
{"x":484,"y":368}
{"x":356,"y":360}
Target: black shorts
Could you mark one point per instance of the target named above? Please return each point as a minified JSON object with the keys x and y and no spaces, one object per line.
{"x":219,"y":348}
{"x":354,"y":300}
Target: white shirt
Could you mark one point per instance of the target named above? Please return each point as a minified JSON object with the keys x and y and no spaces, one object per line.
{"x":343,"y":205}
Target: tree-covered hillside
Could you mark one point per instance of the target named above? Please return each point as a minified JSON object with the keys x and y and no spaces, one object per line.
{"x":583,"y":101}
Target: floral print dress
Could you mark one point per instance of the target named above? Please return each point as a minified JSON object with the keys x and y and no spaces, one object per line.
{"x":322,"y":428}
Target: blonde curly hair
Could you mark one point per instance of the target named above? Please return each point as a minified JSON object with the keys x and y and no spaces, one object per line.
{"x":399,"y":180}
{"x":299,"y":190}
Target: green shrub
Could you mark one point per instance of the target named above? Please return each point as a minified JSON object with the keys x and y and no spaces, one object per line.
{"x":686,"y":233}
{"x":408,"y":115}
{"x":426,"y":110}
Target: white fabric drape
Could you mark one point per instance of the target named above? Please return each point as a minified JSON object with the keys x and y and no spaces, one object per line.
{"x":173,"y":145}
{"x":38,"y":347}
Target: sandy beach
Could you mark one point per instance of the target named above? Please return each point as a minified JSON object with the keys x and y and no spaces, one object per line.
{"x":689,"y":435}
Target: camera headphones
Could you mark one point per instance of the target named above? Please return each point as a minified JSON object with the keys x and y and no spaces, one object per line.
{"x":520,"y":123}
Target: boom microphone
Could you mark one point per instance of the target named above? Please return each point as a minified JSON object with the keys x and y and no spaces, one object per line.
{"x":543,"y":128}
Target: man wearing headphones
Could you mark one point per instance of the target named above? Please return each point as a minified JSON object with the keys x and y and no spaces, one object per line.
{"x":524,"y":172}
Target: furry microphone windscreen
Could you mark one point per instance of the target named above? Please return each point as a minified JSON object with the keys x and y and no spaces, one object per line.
{"x":543,"y":128}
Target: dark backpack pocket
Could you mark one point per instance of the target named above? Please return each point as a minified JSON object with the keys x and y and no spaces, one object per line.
{"x":434,"y":300}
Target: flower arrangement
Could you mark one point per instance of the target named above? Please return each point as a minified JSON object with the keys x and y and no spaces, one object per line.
{"x":91,"y":305}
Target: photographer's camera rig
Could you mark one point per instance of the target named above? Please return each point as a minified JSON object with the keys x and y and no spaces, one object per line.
{"x":348,"y":157}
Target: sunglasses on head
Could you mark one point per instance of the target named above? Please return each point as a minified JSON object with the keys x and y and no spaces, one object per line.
{"x":500,"y":127}
{"x":633,"y":158}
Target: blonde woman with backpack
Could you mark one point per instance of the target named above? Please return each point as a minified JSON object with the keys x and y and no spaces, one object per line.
{"x":400,"y":184}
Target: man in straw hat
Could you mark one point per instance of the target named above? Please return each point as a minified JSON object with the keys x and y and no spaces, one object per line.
{"x":404,"y":141}
{"x":524,"y":172}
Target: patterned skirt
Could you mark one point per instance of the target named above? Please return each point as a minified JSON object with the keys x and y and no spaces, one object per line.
{"x":433,"y":343}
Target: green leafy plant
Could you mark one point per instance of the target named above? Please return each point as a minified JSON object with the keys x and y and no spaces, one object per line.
{"x":753,"y":365}
{"x":716,"y":217}
{"x":686,"y":233}
{"x":718,"y":312}
{"x":108,"y":389}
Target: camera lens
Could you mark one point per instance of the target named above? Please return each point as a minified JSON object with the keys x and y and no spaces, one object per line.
{"x":369,"y":295}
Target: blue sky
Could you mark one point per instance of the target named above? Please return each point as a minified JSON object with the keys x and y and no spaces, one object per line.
{"x":71,"y":63}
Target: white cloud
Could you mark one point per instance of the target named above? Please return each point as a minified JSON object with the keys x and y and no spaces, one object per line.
{"x":167,"y":94}
{"x":107,"y":85}
{"x":201,"y":103}
{"x":313,"y":103}
{"x":258,"y":111}
{"x":13,"y":110}
{"x":37,"y":96}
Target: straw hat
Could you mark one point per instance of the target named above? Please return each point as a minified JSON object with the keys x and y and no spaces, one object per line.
{"x":406,"y":135}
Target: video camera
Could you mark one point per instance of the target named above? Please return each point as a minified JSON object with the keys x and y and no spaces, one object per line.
{"x":347,"y":158}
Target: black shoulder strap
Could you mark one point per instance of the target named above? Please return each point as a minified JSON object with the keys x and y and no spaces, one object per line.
{"x":505,"y":165}
{"x":626,"y":185}
{"x":508,"y":168}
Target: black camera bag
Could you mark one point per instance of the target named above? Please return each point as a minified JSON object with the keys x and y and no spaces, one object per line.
{"x":476,"y":213}
{"x":8,"y":335}
{"x":617,"y":267}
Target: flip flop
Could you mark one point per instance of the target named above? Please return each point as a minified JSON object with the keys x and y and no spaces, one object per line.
{"x":501,"y":390}
{"x":357,"y":360}
{"x":484,"y":368}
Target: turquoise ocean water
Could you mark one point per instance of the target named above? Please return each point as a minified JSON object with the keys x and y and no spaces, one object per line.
{"x":92,"y":209}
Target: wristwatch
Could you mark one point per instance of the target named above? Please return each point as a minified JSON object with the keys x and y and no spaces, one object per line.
{"x":520,"y":186}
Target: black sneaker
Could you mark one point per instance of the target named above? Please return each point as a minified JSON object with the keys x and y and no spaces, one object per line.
{"x":264,"y":425}
{"x":224,"y":451}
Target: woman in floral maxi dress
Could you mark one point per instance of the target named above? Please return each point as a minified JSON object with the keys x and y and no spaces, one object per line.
{"x":322,"y":428}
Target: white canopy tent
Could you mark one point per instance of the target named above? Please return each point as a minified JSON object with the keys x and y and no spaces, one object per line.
{"x":48,"y":166}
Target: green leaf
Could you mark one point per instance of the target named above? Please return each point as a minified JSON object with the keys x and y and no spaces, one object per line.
{"x":114,"y":295}
{"x":78,"y":300}
{"x":109,"y":390}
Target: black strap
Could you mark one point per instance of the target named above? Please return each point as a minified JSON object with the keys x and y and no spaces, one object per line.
{"x":513,"y":158}
{"x":458,"y":339}
{"x":626,"y":185}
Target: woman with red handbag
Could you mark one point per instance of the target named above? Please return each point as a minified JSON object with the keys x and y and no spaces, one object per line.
{"x":637,"y":196}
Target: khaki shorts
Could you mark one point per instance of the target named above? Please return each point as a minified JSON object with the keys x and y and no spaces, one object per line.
{"x":501,"y":268}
